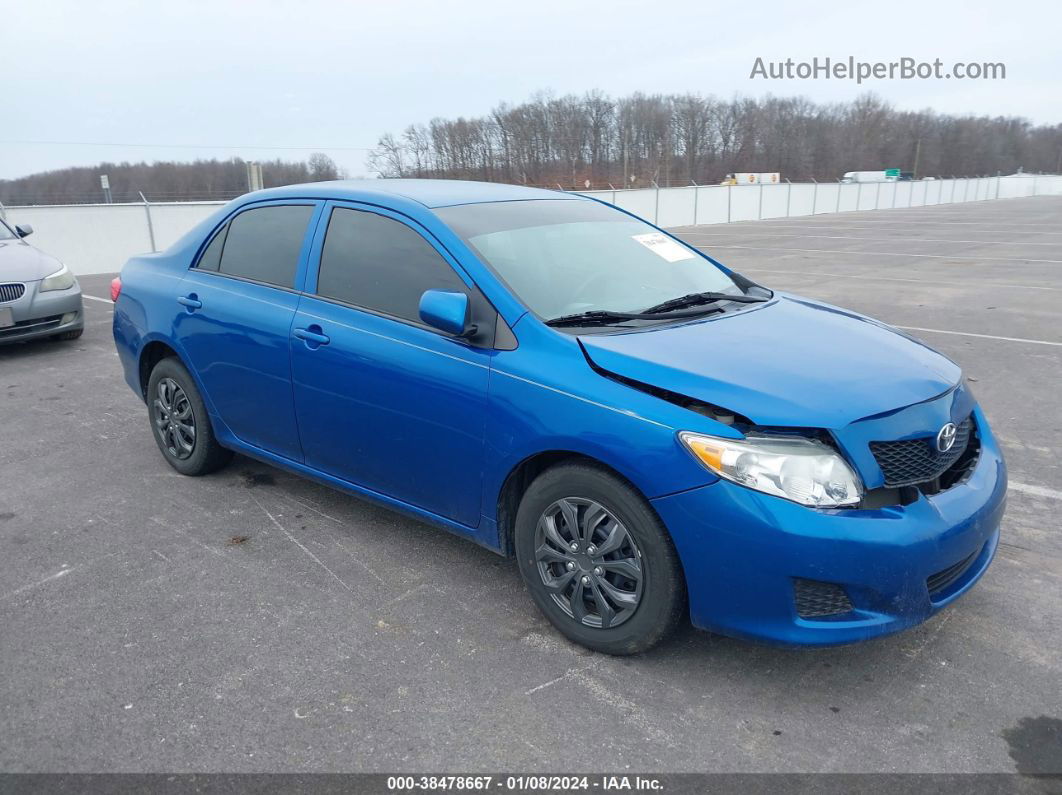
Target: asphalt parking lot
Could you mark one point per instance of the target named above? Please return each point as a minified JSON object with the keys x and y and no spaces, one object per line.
{"x":255,"y":621}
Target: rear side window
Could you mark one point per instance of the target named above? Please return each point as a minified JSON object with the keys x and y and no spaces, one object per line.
{"x":380,"y":264}
{"x":263,"y":244}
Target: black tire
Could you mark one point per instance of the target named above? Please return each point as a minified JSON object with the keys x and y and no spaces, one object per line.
{"x":69,"y":335}
{"x":203,"y":455}
{"x":660,"y":592}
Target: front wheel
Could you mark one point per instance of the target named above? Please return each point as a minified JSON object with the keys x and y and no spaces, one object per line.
{"x":180,"y":423}
{"x":598,"y":561}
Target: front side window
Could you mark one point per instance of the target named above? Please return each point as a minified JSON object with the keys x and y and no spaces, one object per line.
{"x":380,"y":264}
{"x":261,"y":244}
{"x":563,"y":256}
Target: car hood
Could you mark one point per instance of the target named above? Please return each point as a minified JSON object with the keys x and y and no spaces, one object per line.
{"x":791,"y":362}
{"x":20,"y":262}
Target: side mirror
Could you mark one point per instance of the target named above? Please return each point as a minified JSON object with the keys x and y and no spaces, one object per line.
{"x":24,"y":230}
{"x":447,"y":311}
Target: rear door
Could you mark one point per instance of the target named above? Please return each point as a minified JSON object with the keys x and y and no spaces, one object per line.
{"x":236,"y":309}
{"x":384,"y":401}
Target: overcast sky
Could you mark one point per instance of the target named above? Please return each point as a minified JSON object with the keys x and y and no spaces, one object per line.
{"x":180,"y":80}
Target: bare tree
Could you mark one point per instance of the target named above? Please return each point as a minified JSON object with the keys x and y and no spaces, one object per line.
{"x":322,"y":167}
{"x":677,"y":138}
{"x":161,"y":181}
{"x":569,"y":140}
{"x":388,"y":158}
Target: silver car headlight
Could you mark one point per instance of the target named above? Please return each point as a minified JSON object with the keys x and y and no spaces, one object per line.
{"x":802,"y":470}
{"x":62,"y":279}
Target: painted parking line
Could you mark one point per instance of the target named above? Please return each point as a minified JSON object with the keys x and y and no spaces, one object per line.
{"x":906,"y":328}
{"x":1036,"y":491}
{"x":878,"y":226}
{"x":929,"y":219}
{"x":983,"y":226}
{"x":887,"y":239}
{"x":101,"y":300}
{"x":888,"y":254}
{"x":953,"y":213}
{"x":981,"y":336}
{"x":872,"y":277}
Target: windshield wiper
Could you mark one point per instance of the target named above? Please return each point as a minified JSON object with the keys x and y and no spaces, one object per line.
{"x":699,"y":299}
{"x":595,"y":317}
{"x":603,"y":317}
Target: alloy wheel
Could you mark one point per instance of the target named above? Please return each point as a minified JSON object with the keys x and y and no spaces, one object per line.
{"x":174,"y":419}
{"x":589,"y":562}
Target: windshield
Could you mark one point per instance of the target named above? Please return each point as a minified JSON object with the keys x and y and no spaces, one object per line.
{"x":562,"y":257}
{"x":6,"y":233}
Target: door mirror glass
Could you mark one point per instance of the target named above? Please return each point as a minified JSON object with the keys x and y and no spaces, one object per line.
{"x":446,"y":311}
{"x":23,"y":230}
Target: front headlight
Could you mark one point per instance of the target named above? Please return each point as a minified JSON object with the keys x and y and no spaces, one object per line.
{"x":798,"y":469}
{"x":62,"y":279}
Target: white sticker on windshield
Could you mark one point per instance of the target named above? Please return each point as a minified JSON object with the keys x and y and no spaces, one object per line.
{"x":664,"y":246}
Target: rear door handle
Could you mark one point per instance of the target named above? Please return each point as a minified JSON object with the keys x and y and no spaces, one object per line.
{"x":191,"y":301}
{"x":312,"y":336}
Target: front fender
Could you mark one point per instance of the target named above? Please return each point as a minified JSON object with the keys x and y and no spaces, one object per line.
{"x":576,"y":410}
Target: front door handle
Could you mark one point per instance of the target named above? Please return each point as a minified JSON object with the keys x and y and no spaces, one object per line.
{"x":191,"y":301}
{"x":312,"y":336}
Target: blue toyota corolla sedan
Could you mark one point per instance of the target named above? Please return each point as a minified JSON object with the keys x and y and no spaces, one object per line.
{"x":650,"y":434}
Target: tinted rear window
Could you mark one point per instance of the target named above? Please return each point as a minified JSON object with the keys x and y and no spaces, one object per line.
{"x":264,"y":244}
{"x":380,"y":264}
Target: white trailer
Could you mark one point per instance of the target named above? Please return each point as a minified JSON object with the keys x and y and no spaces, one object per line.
{"x":890,"y":175}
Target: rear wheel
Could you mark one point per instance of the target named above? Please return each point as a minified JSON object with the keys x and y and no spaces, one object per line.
{"x":598,"y":561}
{"x":180,"y":423}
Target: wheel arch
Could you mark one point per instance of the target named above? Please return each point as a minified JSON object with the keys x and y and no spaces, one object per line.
{"x":154,"y":350}
{"x":152,"y":353}
{"x":522,"y":475}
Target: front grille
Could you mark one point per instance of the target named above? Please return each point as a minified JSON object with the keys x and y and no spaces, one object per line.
{"x":11,"y":292}
{"x":37,"y":324}
{"x":815,"y":599}
{"x":914,"y":461}
{"x":945,"y":578}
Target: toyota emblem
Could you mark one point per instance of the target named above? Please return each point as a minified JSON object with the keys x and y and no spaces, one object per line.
{"x":946,"y":437}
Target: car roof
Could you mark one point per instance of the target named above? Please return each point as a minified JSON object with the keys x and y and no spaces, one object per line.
{"x":428,"y":192}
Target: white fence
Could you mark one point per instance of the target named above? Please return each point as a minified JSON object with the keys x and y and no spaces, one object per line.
{"x":721,"y":204}
{"x":99,"y":238}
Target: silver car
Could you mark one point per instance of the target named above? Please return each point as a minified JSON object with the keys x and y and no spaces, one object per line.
{"x":39,"y":296}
